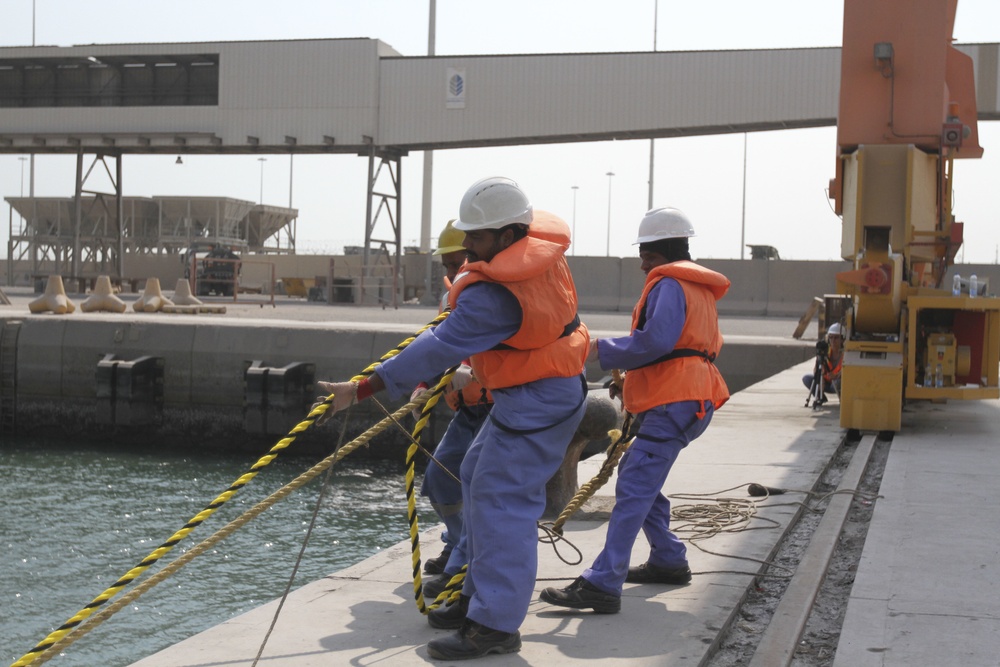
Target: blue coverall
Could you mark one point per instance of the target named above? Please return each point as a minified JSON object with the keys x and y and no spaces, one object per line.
{"x":504,"y":473}
{"x":663,"y":432}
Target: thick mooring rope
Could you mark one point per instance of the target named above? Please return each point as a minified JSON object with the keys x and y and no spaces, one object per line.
{"x":614,"y":454}
{"x":199,"y":518}
{"x":411,"y":500}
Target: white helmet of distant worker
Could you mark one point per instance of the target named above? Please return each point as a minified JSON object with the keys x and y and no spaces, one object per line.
{"x":664,"y":223}
{"x":835,"y":330}
{"x":493,"y":203}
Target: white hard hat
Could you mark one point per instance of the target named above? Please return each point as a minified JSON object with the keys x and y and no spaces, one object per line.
{"x":835,"y":330}
{"x":493,"y":203}
{"x":664,"y":223}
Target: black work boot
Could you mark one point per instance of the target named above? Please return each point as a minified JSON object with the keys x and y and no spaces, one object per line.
{"x":582,"y":594}
{"x":647,"y":573}
{"x":474,"y":640}
{"x":451,"y":617}
{"x":434,"y":587}
{"x":436,"y":565}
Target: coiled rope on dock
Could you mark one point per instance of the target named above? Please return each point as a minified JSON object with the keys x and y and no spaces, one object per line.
{"x":315,"y":414}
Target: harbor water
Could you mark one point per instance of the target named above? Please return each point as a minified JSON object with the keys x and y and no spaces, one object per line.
{"x":75,"y":519}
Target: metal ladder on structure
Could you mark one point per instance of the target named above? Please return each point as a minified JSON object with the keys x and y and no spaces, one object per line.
{"x":8,"y":376}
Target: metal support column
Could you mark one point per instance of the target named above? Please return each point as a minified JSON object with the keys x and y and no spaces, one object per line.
{"x":379,"y":203}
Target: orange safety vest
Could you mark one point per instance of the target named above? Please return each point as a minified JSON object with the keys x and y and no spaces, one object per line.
{"x":688,"y":373}
{"x":552,"y":342}
{"x":830,"y":369}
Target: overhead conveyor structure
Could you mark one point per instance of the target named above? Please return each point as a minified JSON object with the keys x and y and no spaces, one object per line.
{"x":360,"y":96}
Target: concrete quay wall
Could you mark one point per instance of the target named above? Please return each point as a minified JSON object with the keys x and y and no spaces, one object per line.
{"x":203,"y":393}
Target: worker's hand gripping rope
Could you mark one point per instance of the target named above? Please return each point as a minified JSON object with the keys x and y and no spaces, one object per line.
{"x":341,"y":396}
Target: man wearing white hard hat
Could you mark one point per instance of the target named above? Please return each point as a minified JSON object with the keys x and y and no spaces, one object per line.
{"x":514,"y":314}
{"x":673,"y":388}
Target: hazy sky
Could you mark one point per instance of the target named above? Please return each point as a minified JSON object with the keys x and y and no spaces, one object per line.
{"x":787,"y":172}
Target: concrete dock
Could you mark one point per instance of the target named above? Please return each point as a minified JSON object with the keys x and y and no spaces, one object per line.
{"x":928,"y":585}
{"x":927,"y":590}
{"x":366,"y":614}
{"x":247,"y":375}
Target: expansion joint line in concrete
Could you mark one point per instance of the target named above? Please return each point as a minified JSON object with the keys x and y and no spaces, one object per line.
{"x":47,"y":646}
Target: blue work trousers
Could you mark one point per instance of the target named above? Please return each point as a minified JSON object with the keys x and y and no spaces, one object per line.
{"x":639,"y":502}
{"x":444,"y":490}
{"x":503,"y":482}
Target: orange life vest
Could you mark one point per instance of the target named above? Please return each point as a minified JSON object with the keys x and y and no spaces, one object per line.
{"x":688,"y":373}
{"x":831,"y":369}
{"x":552,"y":342}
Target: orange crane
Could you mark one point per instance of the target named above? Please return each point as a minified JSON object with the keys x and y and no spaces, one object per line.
{"x":907,"y":111}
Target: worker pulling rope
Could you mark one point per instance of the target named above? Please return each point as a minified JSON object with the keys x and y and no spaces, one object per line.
{"x":314,"y":415}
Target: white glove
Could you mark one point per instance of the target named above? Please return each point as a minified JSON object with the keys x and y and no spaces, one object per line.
{"x":417,"y":411}
{"x":462,"y":377}
{"x":344,"y":394}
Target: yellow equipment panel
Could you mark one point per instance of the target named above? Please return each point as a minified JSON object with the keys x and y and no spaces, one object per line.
{"x":872,"y":386}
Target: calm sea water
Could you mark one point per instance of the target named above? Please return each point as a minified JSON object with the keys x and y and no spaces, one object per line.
{"x":75,"y":519}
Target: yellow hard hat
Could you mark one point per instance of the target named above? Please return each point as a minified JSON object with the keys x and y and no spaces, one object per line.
{"x":450,"y":240}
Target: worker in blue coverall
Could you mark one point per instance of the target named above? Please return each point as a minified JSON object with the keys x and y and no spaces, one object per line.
{"x":471,"y":403}
{"x":673,"y":388}
{"x":514,"y":314}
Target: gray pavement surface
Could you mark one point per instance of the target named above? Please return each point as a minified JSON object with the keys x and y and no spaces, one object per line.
{"x":927,"y":590}
{"x":365,"y":615}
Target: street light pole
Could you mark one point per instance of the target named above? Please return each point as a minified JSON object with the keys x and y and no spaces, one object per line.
{"x":652,"y":141}
{"x":743,"y":220}
{"x":607,"y":247}
{"x":23,"y":160}
{"x":262,"y":160}
{"x":574,"y":188}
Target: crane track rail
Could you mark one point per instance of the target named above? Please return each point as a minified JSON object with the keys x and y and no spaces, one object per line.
{"x":767,"y":629}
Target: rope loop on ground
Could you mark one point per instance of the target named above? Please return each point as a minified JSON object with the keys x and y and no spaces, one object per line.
{"x":734,"y":515}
